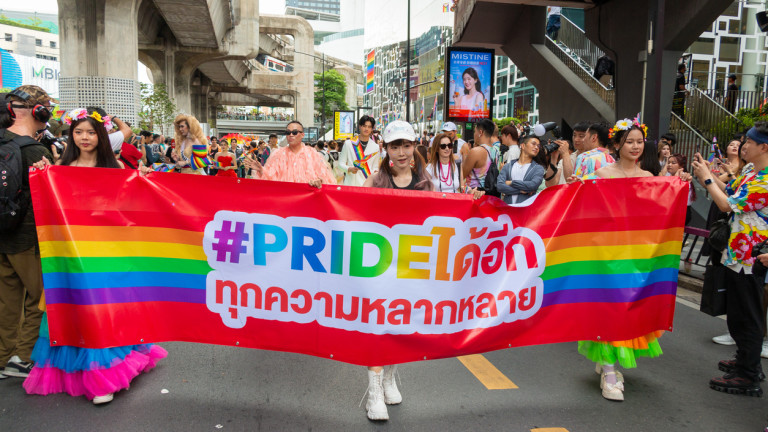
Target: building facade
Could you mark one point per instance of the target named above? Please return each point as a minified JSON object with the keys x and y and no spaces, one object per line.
{"x":30,"y":41}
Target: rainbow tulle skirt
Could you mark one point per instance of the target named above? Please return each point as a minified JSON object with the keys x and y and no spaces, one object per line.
{"x":84,"y":371}
{"x":625,"y":353}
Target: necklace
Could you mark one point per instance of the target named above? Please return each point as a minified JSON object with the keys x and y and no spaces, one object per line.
{"x":448,"y":179}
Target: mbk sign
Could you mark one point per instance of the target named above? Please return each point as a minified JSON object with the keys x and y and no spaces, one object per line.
{"x":45,"y":73}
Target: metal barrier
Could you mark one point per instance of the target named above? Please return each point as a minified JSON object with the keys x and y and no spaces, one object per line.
{"x":692,"y":262}
{"x":577,"y":42}
{"x":742,"y":99}
{"x":689,"y":141}
{"x":705,"y":115}
{"x":576,"y":64}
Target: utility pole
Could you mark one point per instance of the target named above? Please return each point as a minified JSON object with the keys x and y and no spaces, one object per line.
{"x":408,"y":69}
{"x":323,"y":117}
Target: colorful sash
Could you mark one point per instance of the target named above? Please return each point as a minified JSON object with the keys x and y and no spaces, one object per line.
{"x":200,"y":156}
{"x":362,"y":160}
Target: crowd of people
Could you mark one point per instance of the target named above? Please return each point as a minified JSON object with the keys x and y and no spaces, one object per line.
{"x":512,"y":164}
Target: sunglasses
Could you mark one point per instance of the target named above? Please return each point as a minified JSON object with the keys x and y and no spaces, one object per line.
{"x":445,"y":146}
{"x":293,"y":132}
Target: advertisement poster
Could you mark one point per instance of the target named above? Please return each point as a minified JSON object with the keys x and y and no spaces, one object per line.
{"x":16,"y":70}
{"x":343,"y":125}
{"x":470,"y":84}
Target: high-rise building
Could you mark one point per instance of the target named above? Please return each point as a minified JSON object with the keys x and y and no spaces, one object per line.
{"x":325,"y":6}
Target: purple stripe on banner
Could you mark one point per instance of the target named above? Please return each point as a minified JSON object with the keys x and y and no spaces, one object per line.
{"x":96,"y":296}
{"x":609,"y":295}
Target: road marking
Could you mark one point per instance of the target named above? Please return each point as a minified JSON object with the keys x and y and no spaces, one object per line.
{"x":486,"y":372}
{"x":549,"y":430}
{"x":693,"y":305}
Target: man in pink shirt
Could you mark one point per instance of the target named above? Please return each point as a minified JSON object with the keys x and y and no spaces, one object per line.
{"x":295,"y":163}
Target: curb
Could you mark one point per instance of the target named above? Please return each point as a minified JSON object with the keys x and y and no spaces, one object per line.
{"x":690,"y":283}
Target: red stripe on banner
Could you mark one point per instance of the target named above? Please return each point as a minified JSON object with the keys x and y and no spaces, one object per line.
{"x":87,"y":205}
{"x":553,"y":324}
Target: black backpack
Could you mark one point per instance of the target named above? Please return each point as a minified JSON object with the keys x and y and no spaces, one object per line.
{"x":489,"y":186}
{"x":13,"y":203}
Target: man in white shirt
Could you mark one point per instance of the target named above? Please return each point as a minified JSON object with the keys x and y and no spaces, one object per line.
{"x":360,"y":157}
{"x":553,"y":21}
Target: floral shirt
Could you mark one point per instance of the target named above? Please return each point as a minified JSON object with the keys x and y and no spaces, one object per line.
{"x":591,"y":161}
{"x":748,"y":198}
{"x":301,"y":167}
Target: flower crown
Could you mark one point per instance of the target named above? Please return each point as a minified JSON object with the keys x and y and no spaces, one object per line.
{"x":82,"y":113}
{"x":626,"y":124}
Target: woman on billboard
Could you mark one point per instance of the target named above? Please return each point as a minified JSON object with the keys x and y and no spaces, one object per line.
{"x":473,"y":99}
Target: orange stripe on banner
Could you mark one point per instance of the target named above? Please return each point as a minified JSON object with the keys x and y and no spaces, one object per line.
{"x":118,"y":233}
{"x":613,"y":238}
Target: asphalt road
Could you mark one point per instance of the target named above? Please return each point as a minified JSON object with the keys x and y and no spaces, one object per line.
{"x":213,"y":388}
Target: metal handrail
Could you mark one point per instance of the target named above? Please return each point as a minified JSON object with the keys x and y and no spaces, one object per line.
{"x":689,"y":140}
{"x":705,"y":115}
{"x":742,"y":99}
{"x":576,"y":65}
{"x":575,"y":40}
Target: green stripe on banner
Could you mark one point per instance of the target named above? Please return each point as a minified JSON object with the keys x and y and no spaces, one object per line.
{"x":611,"y":267}
{"x":124,"y":264}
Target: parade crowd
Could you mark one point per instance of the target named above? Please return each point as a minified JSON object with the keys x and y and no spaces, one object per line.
{"x":512,"y":164}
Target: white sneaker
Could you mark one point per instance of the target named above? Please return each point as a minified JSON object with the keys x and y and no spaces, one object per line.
{"x":377,"y":409}
{"x":614,"y":392}
{"x":107,"y":398}
{"x":764,"y":352}
{"x":392,"y":395}
{"x":725,"y":339}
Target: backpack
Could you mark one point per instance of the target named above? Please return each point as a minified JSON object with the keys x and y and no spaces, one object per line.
{"x":13,"y":203}
{"x":490,"y":177}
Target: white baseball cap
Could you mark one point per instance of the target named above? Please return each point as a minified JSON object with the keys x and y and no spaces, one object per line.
{"x":449,"y":127}
{"x":399,"y":130}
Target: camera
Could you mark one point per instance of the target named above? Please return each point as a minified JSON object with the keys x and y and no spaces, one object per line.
{"x":540,"y":130}
{"x":47,"y":139}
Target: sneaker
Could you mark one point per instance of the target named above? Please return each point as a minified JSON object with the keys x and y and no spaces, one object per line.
{"x":764,"y":352}
{"x":725,"y":339}
{"x":729,"y":367}
{"x":17,"y":368}
{"x":392,"y":395}
{"x":614,"y":392}
{"x":375,"y":406}
{"x":107,"y":398}
{"x":733,"y":384}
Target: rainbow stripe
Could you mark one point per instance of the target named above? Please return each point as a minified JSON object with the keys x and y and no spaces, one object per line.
{"x":121,"y":250}
{"x":369,"y":71}
{"x":362,"y":160}
{"x":200,"y":156}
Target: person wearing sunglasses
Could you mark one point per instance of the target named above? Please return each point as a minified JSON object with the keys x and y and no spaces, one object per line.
{"x":445,"y":172}
{"x":295,"y":163}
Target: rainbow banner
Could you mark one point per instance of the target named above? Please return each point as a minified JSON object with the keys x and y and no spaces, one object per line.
{"x":369,"y":60}
{"x":408,"y":275}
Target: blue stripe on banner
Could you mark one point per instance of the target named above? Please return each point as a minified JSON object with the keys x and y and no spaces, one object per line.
{"x":122,"y":279}
{"x":614,"y":281}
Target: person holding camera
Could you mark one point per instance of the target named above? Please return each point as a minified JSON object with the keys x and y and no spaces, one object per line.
{"x":520,"y":179}
{"x":27,"y":109}
{"x":744,"y":196}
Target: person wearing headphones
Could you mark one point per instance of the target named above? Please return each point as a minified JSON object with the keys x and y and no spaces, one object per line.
{"x":21,"y":276}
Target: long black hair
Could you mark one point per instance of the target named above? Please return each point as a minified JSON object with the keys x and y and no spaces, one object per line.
{"x":105,"y":157}
{"x":473,"y":73}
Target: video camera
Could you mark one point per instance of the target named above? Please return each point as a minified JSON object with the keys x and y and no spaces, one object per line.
{"x":541,"y":129}
{"x":47,"y":139}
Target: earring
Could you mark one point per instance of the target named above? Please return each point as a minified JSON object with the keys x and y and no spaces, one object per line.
{"x":391,"y":164}
{"x":413,"y":163}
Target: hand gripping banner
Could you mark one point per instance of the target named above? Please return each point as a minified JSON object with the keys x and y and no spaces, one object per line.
{"x":365,"y":276}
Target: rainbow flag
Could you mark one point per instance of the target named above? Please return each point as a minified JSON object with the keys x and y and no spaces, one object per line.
{"x":362,"y":160}
{"x":199,"y":156}
{"x":369,"y":70}
{"x":124,"y":264}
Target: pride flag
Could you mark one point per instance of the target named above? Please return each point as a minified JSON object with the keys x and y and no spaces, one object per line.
{"x":369,"y":69}
{"x":125,"y":263}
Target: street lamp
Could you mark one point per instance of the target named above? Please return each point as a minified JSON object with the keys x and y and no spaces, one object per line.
{"x":322,"y":124}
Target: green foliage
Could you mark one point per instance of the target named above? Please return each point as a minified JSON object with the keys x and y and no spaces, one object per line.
{"x":157,"y":108}
{"x":500,"y":123}
{"x":335,"y":92}
{"x":38,"y":21}
{"x":750,"y":116}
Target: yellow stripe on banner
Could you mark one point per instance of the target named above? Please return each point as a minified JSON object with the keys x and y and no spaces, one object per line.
{"x":607,"y":253}
{"x":486,"y":372}
{"x":121,"y":249}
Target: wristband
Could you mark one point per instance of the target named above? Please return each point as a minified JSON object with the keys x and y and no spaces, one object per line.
{"x":707,"y":182}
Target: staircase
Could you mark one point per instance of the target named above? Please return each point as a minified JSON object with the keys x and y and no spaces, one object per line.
{"x":709,"y":118}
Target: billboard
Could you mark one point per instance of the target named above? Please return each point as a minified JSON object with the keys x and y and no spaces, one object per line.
{"x":469,"y":77}
{"x":16,"y":70}
{"x":369,"y":59}
{"x":343,"y":125}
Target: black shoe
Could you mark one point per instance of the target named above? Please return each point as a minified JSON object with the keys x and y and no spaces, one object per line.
{"x":17,"y":368}
{"x":729,"y":367}
{"x":733,"y":384}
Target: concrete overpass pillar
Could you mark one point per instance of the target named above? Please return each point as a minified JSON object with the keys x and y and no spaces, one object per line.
{"x":99,"y":52}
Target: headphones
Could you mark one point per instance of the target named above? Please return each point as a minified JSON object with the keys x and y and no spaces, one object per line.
{"x":39,"y":112}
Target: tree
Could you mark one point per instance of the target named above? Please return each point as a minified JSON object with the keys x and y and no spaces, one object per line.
{"x":335,"y":92}
{"x":157,"y":108}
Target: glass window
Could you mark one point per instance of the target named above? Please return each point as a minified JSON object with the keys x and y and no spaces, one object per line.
{"x":39,"y":42}
{"x":53,"y":44}
{"x":729,"y":49}
{"x":8,"y":37}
